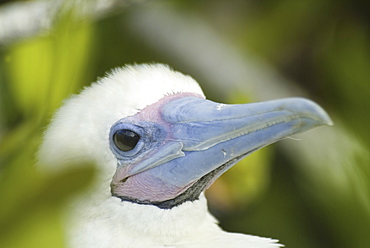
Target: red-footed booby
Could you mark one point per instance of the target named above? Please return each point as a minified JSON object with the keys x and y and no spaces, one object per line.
{"x":158,"y":144}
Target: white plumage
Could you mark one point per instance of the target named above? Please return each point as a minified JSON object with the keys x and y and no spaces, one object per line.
{"x":80,"y":133}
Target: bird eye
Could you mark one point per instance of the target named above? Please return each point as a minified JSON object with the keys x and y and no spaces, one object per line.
{"x":125,"y":139}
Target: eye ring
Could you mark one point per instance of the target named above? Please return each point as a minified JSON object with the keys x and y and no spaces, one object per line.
{"x":125,"y":139}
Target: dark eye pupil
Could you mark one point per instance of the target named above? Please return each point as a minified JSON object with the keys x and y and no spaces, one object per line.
{"x":125,"y":140}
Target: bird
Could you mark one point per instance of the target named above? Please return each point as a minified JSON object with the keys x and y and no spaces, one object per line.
{"x":158,"y":144}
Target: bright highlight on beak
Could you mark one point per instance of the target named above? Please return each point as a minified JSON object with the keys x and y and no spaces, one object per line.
{"x":191,"y":141}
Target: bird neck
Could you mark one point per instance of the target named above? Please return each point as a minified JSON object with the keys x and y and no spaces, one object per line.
{"x":147,"y":220}
{"x":189,"y":216}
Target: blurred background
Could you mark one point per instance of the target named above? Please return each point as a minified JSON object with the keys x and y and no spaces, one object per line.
{"x":309,"y":191}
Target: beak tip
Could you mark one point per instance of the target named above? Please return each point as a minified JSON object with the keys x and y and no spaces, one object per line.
{"x":329,"y":122}
{"x":323,"y":116}
{"x":314,"y":110}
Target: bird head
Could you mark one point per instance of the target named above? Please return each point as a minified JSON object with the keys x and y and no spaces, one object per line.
{"x":158,"y":141}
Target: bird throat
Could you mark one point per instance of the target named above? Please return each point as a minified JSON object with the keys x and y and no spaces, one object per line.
{"x":192,"y":193}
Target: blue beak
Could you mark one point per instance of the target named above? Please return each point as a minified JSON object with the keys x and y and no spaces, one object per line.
{"x":195,"y":140}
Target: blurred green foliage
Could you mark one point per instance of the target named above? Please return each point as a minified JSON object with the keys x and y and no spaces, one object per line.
{"x":36,"y":75}
{"x":323,"y":46}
